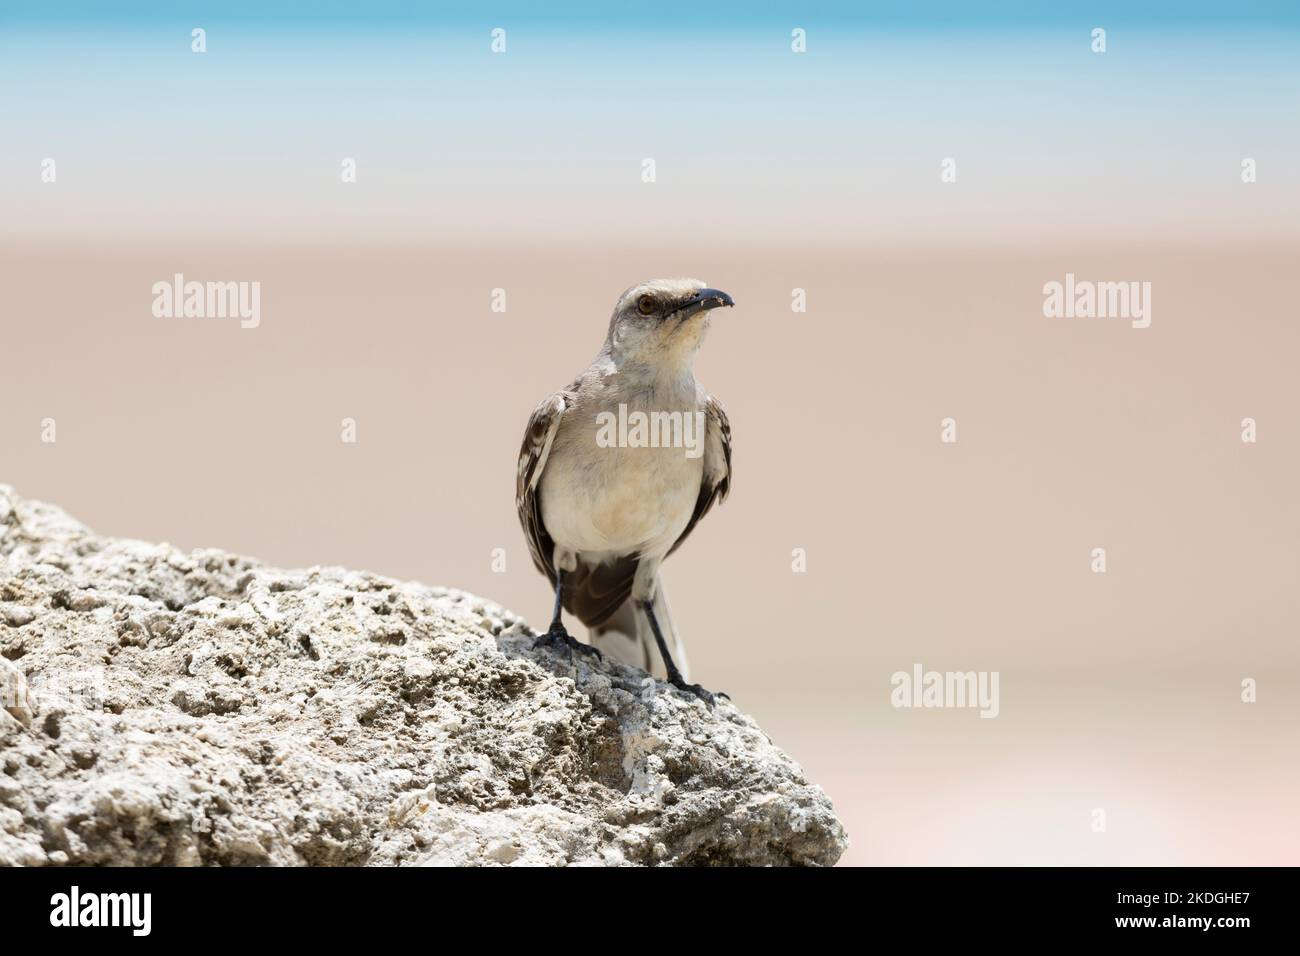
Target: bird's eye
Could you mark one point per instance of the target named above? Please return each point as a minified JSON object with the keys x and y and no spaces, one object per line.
{"x":645,"y":305}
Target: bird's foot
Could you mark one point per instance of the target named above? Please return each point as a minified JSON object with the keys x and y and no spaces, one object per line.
{"x":709,"y":697}
{"x":557,"y":636}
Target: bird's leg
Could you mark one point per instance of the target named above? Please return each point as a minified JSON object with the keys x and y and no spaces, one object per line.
{"x":674,"y":675}
{"x":556,"y":623}
{"x":557,"y":634}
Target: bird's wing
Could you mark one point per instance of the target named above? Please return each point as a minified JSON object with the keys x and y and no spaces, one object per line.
{"x":542,"y":426}
{"x":716,"y":482}
{"x":592,"y":592}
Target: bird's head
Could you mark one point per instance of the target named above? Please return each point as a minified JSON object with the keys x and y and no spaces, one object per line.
{"x":662,"y":321}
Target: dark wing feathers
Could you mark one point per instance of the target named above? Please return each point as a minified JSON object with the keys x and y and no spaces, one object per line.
{"x":538,"y":436}
{"x":594,"y":592}
{"x":717,"y":465}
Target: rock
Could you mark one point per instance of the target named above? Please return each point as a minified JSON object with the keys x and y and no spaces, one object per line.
{"x":13,"y":693}
{"x":164,"y":708}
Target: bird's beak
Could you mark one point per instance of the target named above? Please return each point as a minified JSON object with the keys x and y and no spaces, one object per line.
{"x":702,"y":300}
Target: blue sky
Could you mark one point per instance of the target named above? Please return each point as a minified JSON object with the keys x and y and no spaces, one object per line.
{"x":843,"y":140}
{"x":665,"y":13}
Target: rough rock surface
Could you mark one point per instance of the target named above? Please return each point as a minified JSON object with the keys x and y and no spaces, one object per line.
{"x":166,"y":708}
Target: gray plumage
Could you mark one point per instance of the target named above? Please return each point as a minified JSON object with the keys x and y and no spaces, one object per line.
{"x":608,"y":516}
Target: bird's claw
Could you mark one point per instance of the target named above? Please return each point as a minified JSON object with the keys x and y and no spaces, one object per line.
{"x":709,"y":697}
{"x":559,"y":637}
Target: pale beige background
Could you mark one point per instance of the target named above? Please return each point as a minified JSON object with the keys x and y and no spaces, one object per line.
{"x":1118,"y":691}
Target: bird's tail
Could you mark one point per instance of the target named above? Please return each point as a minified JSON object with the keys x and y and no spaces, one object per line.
{"x":627,"y":636}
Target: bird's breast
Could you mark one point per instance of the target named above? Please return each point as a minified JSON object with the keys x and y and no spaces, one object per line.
{"x":616,"y":491}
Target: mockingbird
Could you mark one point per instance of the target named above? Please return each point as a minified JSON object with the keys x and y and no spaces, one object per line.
{"x":603,"y":506}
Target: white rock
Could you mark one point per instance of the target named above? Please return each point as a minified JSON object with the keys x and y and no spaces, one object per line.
{"x":246,"y":715}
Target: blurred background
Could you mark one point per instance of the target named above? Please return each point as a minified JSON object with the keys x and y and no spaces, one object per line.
{"x":774,"y":171}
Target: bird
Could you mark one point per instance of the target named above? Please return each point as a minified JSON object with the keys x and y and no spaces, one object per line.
{"x":604,"y":496}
